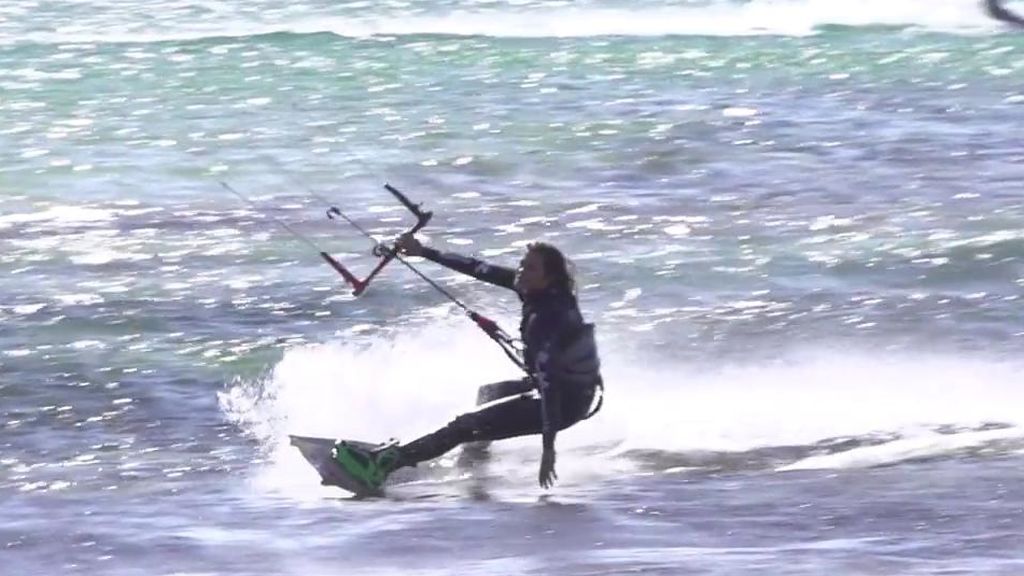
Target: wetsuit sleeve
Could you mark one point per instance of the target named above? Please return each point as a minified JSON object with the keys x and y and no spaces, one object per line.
{"x":548,"y":331}
{"x":997,"y":10}
{"x":497,"y":275}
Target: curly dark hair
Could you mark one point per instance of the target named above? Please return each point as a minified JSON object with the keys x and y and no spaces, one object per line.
{"x":559,"y":269}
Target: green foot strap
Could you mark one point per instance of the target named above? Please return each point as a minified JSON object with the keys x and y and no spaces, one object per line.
{"x":388,"y":459}
{"x":371,"y":469}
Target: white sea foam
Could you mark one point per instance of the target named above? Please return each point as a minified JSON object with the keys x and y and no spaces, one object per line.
{"x":374,"y":389}
{"x":758,"y":17}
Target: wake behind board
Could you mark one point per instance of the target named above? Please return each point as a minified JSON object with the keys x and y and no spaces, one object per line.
{"x":319,"y":453}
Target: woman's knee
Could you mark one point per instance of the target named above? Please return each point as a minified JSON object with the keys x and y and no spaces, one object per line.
{"x":486,"y":393}
{"x":491,"y":392}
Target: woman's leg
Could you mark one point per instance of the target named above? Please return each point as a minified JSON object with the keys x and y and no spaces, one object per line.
{"x":517,"y":416}
{"x":475,"y":452}
{"x":491,"y":392}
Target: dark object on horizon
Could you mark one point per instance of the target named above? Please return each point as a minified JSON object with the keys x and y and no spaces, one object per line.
{"x":997,"y":11}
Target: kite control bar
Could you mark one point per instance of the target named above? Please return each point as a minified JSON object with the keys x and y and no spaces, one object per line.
{"x":384,"y":252}
{"x":387,"y":254}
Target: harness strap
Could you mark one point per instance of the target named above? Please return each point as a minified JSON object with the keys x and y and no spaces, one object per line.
{"x":599,"y":389}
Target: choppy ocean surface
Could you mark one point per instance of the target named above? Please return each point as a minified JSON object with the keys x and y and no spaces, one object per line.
{"x":799,"y":226}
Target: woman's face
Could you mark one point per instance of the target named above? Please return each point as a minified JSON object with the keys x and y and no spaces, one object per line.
{"x":530,"y":276}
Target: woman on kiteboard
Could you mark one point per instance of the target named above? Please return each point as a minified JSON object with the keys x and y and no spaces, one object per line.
{"x":559,"y":353}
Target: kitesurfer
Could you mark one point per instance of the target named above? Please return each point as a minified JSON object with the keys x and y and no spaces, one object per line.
{"x":559,"y":353}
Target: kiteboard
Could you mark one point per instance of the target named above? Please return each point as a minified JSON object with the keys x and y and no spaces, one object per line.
{"x":320,"y":453}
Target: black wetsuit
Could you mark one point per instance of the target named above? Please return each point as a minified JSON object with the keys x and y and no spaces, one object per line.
{"x":996,"y":10}
{"x":558,"y":350}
